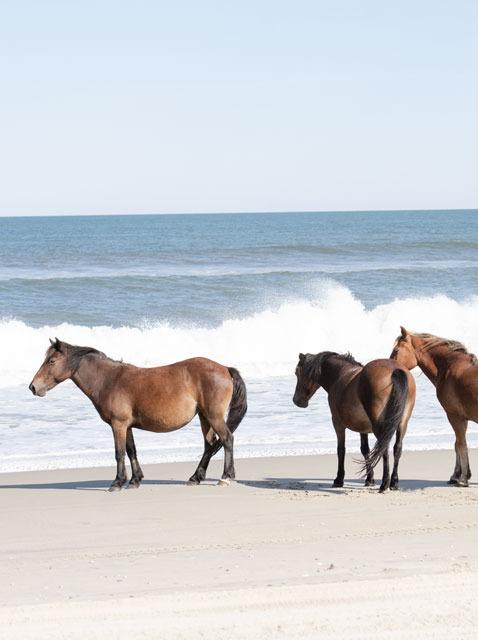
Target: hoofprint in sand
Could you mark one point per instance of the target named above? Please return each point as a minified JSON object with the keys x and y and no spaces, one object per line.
{"x":279,"y":553}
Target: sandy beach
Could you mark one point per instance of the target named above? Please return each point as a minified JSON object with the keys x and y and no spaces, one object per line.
{"x":279,"y":553}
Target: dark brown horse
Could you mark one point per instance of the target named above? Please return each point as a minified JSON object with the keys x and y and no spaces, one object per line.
{"x":159,"y":399}
{"x":454,"y":372}
{"x":378,"y":397}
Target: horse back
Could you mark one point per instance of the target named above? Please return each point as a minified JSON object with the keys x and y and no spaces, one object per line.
{"x":179,"y":389}
{"x":186,"y":374}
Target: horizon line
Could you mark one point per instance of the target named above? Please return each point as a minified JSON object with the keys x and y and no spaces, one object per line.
{"x":219,"y":213}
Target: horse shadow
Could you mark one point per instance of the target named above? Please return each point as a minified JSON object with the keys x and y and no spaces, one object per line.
{"x":317,"y":485}
{"x":325,"y":484}
{"x":418,"y":484}
{"x":293,"y":484}
{"x":84,"y":485}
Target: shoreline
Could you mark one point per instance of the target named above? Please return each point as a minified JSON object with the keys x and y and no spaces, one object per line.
{"x":352,"y":449}
{"x":279,"y":548}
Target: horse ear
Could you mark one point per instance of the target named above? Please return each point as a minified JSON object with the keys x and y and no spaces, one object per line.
{"x":52,"y":342}
{"x":404,"y":332}
{"x":301,"y":357}
{"x":58,"y":345}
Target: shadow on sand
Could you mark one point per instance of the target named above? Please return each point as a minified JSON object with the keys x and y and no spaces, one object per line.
{"x":325,"y":484}
{"x":292,"y":484}
{"x":84,"y":485}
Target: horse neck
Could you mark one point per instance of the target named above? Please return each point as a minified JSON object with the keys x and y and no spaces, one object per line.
{"x":332,"y":369}
{"x":431,"y":361}
{"x":90,"y":377}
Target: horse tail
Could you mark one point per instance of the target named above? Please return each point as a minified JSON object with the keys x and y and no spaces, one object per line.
{"x":389,"y":421}
{"x":237,"y":406}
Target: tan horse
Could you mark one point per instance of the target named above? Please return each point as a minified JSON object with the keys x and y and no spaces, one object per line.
{"x":454,"y":372}
{"x":159,"y":399}
{"x":378,"y":397}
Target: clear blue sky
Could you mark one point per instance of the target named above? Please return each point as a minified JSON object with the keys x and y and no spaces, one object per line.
{"x":253,"y":105}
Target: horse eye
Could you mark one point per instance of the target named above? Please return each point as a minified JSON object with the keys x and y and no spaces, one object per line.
{"x":51,"y":361}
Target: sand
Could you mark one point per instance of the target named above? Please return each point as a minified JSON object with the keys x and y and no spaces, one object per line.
{"x":278,"y":554}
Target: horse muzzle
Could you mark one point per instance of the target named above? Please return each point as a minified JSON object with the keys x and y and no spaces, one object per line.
{"x":40,"y":392}
{"x":299,"y":402}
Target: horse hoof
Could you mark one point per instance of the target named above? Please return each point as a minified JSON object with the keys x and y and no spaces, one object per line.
{"x":461,"y":483}
{"x":369,"y":483}
{"x":338,"y":485}
{"x":394,"y":487}
{"x":224,"y":482}
{"x":383,"y":489}
{"x":452,"y":481}
{"x":192,"y":482}
{"x":115,"y":487}
{"x":133,"y":485}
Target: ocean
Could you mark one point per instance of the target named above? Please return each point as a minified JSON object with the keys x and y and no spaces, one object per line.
{"x":248,"y":290}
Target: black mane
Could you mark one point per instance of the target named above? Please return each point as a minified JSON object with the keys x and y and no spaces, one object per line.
{"x":74,"y":354}
{"x":348,"y":357}
{"x":312,"y":364}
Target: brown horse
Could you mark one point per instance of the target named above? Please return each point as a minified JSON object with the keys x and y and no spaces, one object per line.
{"x":454,"y":372}
{"x":159,"y":399}
{"x":378,"y":397}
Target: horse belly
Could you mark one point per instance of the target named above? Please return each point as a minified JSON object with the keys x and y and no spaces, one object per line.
{"x":469,"y":393}
{"x":359,"y":422}
{"x":354,"y":416}
{"x":164,"y":416}
{"x":460,"y":397}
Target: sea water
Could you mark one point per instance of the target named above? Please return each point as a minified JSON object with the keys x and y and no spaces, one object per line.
{"x":248,"y":290}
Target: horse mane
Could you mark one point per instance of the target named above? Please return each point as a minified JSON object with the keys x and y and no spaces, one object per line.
{"x":348,"y":357}
{"x":312,"y":363}
{"x":74,"y":354}
{"x":432,"y":341}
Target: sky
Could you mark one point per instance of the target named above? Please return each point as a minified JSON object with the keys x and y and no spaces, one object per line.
{"x":246,"y":105}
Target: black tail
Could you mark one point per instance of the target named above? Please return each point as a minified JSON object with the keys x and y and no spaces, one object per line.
{"x":237,"y":407}
{"x":389,"y":421}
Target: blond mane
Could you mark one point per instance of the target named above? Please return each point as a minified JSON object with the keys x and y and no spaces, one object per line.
{"x":432,"y":341}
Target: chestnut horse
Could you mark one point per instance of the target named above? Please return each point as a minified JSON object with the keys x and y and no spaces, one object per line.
{"x":159,"y":399}
{"x":454,"y":372}
{"x":378,"y":397}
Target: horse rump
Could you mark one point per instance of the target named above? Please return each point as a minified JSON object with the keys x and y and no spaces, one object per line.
{"x":237,"y":406}
{"x":389,"y":421}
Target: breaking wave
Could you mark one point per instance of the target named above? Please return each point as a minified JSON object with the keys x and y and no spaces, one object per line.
{"x":262,"y":345}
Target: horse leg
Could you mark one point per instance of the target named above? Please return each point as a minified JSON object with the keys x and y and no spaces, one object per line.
{"x":221,"y":429}
{"x":136,"y":471}
{"x":365,"y":450}
{"x":457,"y":471}
{"x":397,"y":452}
{"x":340,"y":432}
{"x":119,"y":435}
{"x":460,"y":425}
{"x":209,"y":439}
{"x":386,"y":474}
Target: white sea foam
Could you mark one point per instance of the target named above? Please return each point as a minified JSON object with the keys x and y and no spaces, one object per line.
{"x":262,"y":345}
